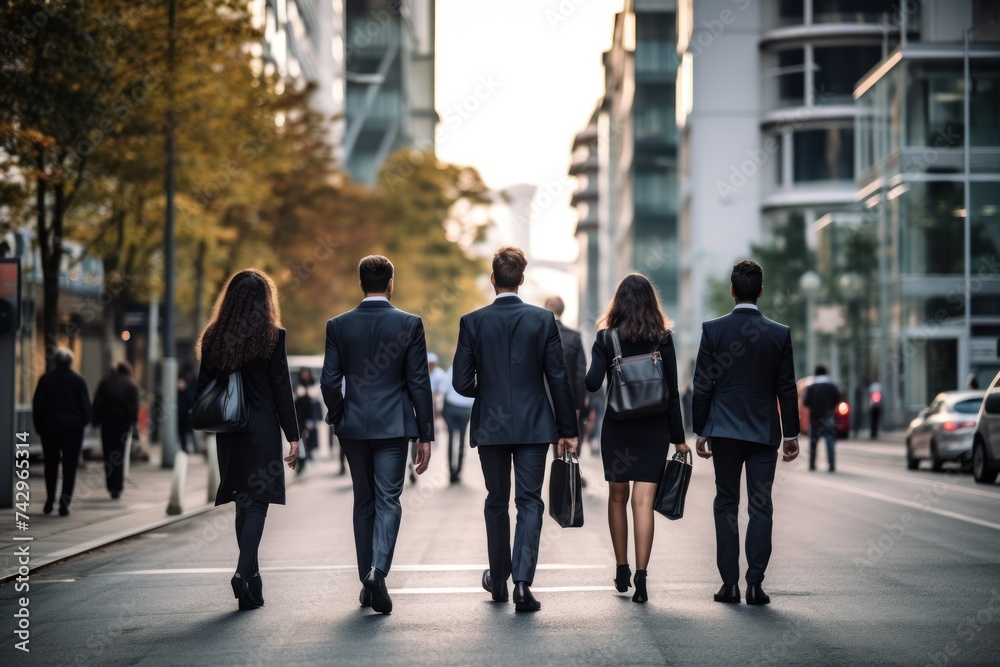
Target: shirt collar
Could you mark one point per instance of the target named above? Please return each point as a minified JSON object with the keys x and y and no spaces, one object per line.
{"x":822,"y":378}
{"x":746,"y":306}
{"x":374,"y":298}
{"x":504,"y":295}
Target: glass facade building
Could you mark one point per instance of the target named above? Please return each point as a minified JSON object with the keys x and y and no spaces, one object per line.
{"x":928,"y":163}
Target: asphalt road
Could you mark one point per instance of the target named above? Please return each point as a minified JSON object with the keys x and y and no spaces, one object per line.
{"x":871,"y":565}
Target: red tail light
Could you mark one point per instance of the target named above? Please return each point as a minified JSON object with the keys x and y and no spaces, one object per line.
{"x":876,"y":397}
{"x":843,"y":408}
{"x":954,"y":426}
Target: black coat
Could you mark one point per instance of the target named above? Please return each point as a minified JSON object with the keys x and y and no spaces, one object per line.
{"x":61,"y":402}
{"x":117,"y":396}
{"x":576,"y":364}
{"x":250,"y":463}
{"x":507,"y":351}
{"x":744,"y":371}
{"x":822,"y":398}
{"x":382,"y":354}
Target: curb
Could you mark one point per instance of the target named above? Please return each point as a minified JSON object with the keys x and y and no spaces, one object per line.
{"x":84,"y":547}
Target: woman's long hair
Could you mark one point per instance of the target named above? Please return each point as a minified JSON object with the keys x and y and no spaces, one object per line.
{"x":245,"y":322}
{"x":635,"y":311}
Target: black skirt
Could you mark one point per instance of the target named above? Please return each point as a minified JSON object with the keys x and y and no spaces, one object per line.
{"x":635,"y":450}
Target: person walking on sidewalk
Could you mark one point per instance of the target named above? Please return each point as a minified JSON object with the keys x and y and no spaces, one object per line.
{"x":743,"y":373}
{"x":382,"y":353}
{"x":507,"y":351}
{"x":245,"y":335}
{"x":307,"y":409}
{"x":635,"y":450}
{"x":822,"y":398}
{"x":116,"y":411}
{"x":457,"y":413}
{"x":61,"y":411}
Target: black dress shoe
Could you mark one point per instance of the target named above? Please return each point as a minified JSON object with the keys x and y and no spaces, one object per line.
{"x":499,"y":595}
{"x":728,"y":594}
{"x":523,"y":599}
{"x":365,"y":598}
{"x":48,"y":507}
{"x":375,"y":584}
{"x":63,"y":510}
{"x":756,"y":595}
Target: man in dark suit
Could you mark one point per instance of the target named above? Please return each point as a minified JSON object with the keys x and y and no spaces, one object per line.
{"x":822,"y":398}
{"x":576,"y":361}
{"x":743,"y":375}
{"x":385,"y":402}
{"x":506,"y":353}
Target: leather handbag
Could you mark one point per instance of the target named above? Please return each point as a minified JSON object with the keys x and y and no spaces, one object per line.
{"x":672,"y":489}
{"x":221,"y":406}
{"x":565,"y":482}
{"x":637,"y":387}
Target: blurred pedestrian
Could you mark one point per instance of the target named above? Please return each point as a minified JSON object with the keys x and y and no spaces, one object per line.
{"x":635,"y":450}
{"x":576,"y":365}
{"x":687,"y":402}
{"x":116,"y":411}
{"x":185,"y":401}
{"x":596,"y":404}
{"x":745,"y":404}
{"x":508,"y":353}
{"x":378,"y":416}
{"x":438,"y":377}
{"x":972,"y":382}
{"x":822,"y":398}
{"x":245,"y":335}
{"x":308,"y":413}
{"x":61,"y":411}
{"x":457,"y":412}
{"x":874,"y":407}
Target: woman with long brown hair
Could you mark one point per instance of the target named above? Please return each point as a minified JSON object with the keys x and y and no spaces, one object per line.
{"x":635,"y":450}
{"x":245,"y":334}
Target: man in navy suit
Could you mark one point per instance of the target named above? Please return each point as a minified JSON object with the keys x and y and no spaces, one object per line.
{"x":506,"y":354}
{"x":385,"y":402}
{"x":743,"y":374}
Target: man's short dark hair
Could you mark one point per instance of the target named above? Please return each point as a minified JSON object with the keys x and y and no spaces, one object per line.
{"x":508,"y":267}
{"x":375,"y":272}
{"x":747,"y":279}
{"x":820,"y":369}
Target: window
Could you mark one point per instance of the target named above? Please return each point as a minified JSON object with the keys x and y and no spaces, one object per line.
{"x":984,"y":109}
{"x":823,"y":155}
{"x":985,"y":224}
{"x":838,"y":68}
{"x":968,"y":407}
{"x":791,"y":77}
{"x":930,"y":228}
{"x":790,"y":12}
{"x":854,"y":11}
{"x":934,"y":105}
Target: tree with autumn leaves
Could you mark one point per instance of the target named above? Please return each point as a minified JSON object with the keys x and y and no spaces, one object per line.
{"x":84,"y":93}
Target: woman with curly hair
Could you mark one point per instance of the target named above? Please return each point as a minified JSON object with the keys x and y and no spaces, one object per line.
{"x":635,"y":450}
{"x":245,"y":334}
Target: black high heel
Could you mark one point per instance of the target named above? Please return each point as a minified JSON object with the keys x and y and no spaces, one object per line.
{"x":640,"y":587}
{"x":256,"y":588}
{"x":623,"y":577}
{"x":240,"y":585}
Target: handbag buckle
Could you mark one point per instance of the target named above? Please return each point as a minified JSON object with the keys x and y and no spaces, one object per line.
{"x":655,"y":356}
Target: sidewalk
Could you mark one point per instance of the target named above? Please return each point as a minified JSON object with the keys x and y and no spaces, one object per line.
{"x":95,"y":519}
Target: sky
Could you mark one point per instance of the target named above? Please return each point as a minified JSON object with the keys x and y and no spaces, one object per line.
{"x":515,"y":81}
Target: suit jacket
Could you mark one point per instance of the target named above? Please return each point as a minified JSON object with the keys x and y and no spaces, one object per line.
{"x":382,"y":354}
{"x":822,"y":398}
{"x":744,"y":371}
{"x":507,"y":351}
{"x":576,"y":364}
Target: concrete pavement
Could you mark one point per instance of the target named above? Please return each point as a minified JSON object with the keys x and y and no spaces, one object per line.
{"x":872,"y":565}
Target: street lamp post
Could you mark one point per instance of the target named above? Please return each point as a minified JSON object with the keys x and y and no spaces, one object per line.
{"x":810,"y":284}
{"x":852,"y":288}
{"x":168,"y":412}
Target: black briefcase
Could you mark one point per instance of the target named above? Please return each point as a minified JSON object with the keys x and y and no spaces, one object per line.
{"x":672,"y":489}
{"x":565,"y":499}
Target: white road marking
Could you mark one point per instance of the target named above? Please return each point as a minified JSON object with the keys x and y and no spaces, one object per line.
{"x":334,"y":568}
{"x":906,"y":503}
{"x":922,"y":482}
{"x":478,"y":589}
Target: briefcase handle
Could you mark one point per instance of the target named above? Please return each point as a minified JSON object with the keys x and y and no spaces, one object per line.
{"x":684,"y":457}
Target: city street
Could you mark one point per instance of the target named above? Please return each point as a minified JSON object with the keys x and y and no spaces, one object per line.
{"x":872,"y":565}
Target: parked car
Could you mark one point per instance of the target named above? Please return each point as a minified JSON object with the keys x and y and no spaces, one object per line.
{"x":943,"y":430}
{"x":986,"y":439}
{"x":842,"y":413}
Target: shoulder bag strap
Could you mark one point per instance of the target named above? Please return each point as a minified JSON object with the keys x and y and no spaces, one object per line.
{"x":615,"y":343}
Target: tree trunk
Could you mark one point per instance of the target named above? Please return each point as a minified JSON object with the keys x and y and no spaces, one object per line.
{"x":48,"y":245}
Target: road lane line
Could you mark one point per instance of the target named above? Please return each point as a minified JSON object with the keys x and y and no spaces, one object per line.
{"x":907,"y":503}
{"x":479,"y":589}
{"x":926,"y":483}
{"x":334,"y":568}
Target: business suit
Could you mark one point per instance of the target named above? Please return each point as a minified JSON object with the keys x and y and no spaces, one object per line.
{"x":576,"y":367}
{"x":507,"y":351}
{"x":386,"y":401}
{"x":743,"y":372}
